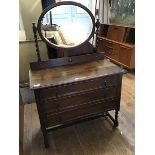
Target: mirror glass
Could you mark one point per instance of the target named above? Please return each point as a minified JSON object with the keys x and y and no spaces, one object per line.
{"x":66,"y":26}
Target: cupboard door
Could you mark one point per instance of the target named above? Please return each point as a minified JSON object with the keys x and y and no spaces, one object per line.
{"x":125,"y":55}
{"x":116,"y":33}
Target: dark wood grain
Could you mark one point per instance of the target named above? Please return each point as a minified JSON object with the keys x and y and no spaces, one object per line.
{"x":78,"y":99}
{"x":82,"y":111}
{"x":95,"y":137}
{"x":66,"y":61}
{"x":68,"y":94}
{"x":78,"y":87}
{"x":69,"y":74}
{"x":86,"y":48}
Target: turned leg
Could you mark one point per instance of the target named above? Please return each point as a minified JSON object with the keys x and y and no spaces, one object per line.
{"x":116,"y":119}
{"x":42,"y":117}
{"x":46,"y":141}
{"x":43,"y":128}
{"x":45,"y":137}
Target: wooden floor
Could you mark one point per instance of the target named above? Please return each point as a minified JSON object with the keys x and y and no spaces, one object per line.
{"x":95,"y":137}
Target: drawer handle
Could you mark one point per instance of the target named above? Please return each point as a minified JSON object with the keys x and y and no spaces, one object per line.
{"x":70,"y":60}
{"x":105,"y":83}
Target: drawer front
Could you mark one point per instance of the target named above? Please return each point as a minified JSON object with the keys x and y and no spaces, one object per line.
{"x":125,"y":55}
{"x":89,"y":97}
{"x":69,"y":89}
{"x":111,"y":50}
{"x":86,"y":110}
{"x":81,"y":112}
{"x":52,"y":120}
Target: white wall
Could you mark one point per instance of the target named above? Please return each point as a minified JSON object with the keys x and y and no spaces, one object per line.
{"x":30,"y":11}
{"x":27,"y":54}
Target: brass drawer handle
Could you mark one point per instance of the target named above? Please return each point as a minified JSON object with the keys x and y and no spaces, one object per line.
{"x":105,"y":83}
{"x":70,"y":60}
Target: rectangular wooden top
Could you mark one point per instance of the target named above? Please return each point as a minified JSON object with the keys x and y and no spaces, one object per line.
{"x":71,"y":73}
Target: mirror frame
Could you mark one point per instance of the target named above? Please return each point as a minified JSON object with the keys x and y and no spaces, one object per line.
{"x":65,"y":3}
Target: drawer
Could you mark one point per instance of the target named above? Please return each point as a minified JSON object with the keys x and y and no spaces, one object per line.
{"x":108,"y":46}
{"x":84,"y":110}
{"x":66,"y":102}
{"x":76,"y":87}
{"x":112,"y":50}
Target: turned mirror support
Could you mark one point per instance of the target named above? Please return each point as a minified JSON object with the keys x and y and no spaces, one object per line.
{"x":36,"y":41}
{"x":97,"y":25}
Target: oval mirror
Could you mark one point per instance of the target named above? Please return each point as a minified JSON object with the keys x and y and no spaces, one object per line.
{"x":66,"y":25}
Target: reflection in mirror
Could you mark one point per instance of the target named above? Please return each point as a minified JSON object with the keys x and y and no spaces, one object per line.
{"x":66,"y":25}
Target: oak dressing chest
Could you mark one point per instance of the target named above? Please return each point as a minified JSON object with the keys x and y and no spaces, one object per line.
{"x":75,"y":88}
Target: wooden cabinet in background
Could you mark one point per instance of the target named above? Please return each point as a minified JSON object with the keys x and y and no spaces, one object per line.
{"x":118,"y":44}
